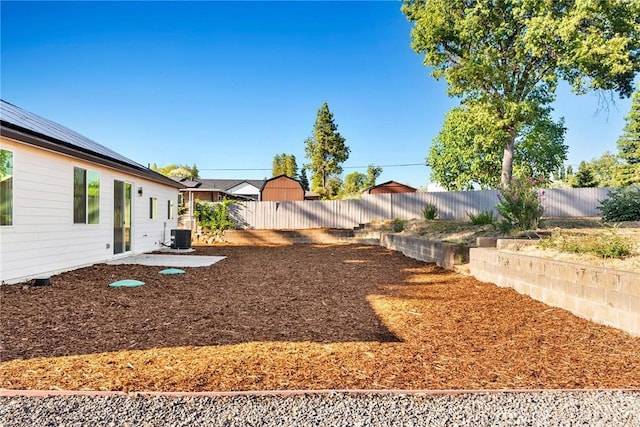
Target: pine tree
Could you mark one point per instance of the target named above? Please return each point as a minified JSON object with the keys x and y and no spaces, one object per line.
{"x":303,"y":179}
{"x":291,"y":166}
{"x":276,"y":166}
{"x":326,"y":151}
{"x":585,"y":177}
{"x":284,"y":164}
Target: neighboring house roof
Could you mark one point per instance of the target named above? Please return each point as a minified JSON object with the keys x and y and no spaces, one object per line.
{"x":32,"y":129}
{"x":266,"y":181}
{"x":310,"y":195}
{"x":244,"y":188}
{"x":389,"y":184}
{"x":226,"y":184}
{"x":186,"y":182}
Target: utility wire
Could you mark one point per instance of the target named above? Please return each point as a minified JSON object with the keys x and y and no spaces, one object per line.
{"x":344,"y":167}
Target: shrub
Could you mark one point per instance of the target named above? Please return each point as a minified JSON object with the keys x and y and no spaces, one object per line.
{"x":504,"y":227}
{"x":621,"y":204}
{"x":398,"y":225}
{"x":605,"y":246}
{"x":429,"y":212}
{"x":483,"y":218}
{"x":214,"y":217}
{"x":521,"y":203}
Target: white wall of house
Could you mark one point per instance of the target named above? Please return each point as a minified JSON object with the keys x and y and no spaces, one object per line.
{"x":43,"y":238}
{"x":244,"y":189}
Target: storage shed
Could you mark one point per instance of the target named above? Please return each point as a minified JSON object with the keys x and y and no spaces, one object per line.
{"x":390,"y":187}
{"x":281,"y":188}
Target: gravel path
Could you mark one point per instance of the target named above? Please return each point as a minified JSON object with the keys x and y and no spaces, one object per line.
{"x":593,"y":408}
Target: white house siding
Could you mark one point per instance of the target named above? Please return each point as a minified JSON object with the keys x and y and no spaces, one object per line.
{"x":43,"y":239}
{"x":244,"y":189}
{"x":149,"y":234}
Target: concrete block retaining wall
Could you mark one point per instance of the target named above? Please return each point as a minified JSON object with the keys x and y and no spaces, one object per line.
{"x":446,"y":255}
{"x":605,"y":296}
{"x":273,"y":237}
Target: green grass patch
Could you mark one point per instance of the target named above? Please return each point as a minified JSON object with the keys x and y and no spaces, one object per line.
{"x":482,"y":218}
{"x":601,"y":245}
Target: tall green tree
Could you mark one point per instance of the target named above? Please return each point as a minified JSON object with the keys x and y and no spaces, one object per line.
{"x":585,"y":176}
{"x":606,"y":170}
{"x":178,"y":171}
{"x":540,"y":148}
{"x":285,"y":164}
{"x":326,"y":151}
{"x":467,"y":153}
{"x":569,"y":171}
{"x":507,"y":56}
{"x":334,"y":187}
{"x":603,"y":171}
{"x":304,"y":181}
{"x":629,"y":145}
{"x":629,"y":141}
{"x":373,"y":172}
{"x":354,"y":183}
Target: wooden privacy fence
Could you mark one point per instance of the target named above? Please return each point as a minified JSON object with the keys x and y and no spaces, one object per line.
{"x":558,"y":202}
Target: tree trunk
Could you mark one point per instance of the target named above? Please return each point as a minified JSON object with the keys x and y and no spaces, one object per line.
{"x":507,"y":159}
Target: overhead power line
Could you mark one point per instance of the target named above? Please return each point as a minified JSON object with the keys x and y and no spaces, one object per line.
{"x":386,"y":166}
{"x":345,"y":167}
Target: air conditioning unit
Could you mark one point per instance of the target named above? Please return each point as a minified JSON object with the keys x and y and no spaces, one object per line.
{"x":180,"y":239}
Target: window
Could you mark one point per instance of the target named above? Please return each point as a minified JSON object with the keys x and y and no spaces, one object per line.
{"x":6,"y":187}
{"x":170,"y":209}
{"x":93,"y":199}
{"x":86,"y":196}
{"x":153,"y":207}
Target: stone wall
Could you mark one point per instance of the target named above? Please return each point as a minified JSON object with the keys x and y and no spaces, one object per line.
{"x":605,"y":296}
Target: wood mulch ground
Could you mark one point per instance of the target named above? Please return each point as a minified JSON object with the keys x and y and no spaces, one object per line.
{"x":299,"y":317}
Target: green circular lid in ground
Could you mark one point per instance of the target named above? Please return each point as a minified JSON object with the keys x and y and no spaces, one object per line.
{"x":127,"y":283}
{"x":172,"y":271}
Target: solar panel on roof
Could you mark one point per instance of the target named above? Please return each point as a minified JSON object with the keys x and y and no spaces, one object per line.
{"x":16,"y":116}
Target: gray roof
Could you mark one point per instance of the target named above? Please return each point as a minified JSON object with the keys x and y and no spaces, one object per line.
{"x":225,"y":184}
{"x":186,"y":182}
{"x":13,"y":117}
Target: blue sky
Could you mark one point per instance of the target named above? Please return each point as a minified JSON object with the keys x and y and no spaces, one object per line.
{"x":227,"y":85}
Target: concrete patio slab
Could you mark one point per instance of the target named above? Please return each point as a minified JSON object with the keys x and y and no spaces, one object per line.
{"x":168,"y":260}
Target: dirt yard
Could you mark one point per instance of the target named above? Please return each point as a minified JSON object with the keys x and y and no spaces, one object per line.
{"x":299,"y":317}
